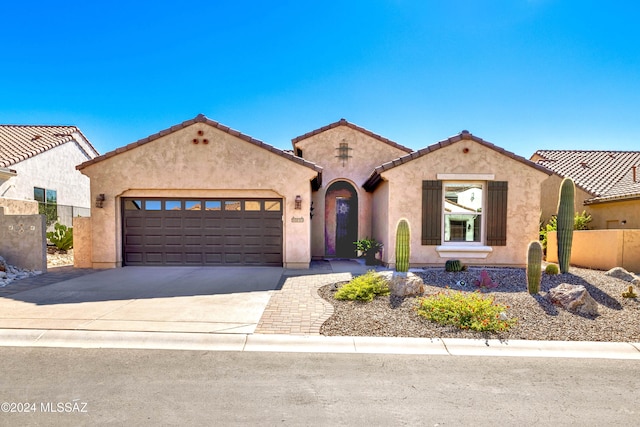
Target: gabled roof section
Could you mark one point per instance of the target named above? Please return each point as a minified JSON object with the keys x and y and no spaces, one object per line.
{"x":343,"y":122}
{"x":200,"y":118}
{"x":375,"y":176}
{"x":606,"y":175}
{"x":20,"y":142}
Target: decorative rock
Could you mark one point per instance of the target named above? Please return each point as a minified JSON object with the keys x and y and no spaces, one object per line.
{"x":9,"y":273}
{"x":622,"y":274}
{"x":574,"y":298}
{"x":406,"y":284}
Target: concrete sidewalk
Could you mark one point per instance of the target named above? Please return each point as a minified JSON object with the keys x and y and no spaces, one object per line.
{"x":316,"y":344}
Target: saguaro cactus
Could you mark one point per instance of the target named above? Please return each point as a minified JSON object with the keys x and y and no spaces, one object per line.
{"x":566,"y":213}
{"x":402,"y":247}
{"x":534,"y":267}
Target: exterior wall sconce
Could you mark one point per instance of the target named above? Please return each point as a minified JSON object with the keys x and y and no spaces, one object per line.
{"x":100,"y":200}
{"x":298,"y":202}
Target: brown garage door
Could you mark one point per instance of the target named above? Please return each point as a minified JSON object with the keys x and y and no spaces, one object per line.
{"x":166,"y":231}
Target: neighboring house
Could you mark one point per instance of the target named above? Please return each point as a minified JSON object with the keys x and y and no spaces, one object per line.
{"x":607,"y":185}
{"x":200,"y":193}
{"x":38,"y":164}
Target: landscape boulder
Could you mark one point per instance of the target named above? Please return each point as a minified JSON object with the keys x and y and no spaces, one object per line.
{"x":622,"y":274}
{"x":574,"y":298}
{"x":405,"y":284}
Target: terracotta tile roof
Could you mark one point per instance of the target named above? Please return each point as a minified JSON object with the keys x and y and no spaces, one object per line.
{"x":606,"y":175}
{"x":20,"y":142}
{"x":201,"y":118}
{"x":343,"y":122}
{"x":375,"y":177}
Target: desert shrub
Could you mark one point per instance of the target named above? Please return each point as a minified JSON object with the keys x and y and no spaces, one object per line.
{"x":551,"y":269}
{"x":580,"y":222}
{"x":364,"y":288}
{"x":61,"y":237}
{"x":466,"y":311}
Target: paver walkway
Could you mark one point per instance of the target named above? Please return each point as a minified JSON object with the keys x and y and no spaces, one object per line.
{"x":297,"y":309}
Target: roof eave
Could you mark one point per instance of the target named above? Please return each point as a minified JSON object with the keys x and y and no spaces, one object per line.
{"x":201,"y":118}
{"x":464,"y":135}
{"x":344,"y":122}
{"x":6,"y":173}
{"x":621,"y":198}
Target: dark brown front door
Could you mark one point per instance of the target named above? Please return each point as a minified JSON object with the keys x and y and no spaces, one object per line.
{"x":166,"y":231}
{"x":346,"y":230}
{"x":341,"y":220}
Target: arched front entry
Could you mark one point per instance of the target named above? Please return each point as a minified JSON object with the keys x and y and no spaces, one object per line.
{"x":340,"y":220}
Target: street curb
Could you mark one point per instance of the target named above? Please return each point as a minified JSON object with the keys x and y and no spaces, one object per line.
{"x":316,"y":344}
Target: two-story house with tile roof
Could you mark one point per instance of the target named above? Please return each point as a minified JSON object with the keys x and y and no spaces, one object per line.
{"x":607,"y":185}
{"x":38,"y":164}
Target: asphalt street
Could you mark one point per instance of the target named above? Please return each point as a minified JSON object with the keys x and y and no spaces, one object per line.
{"x":71,"y":386}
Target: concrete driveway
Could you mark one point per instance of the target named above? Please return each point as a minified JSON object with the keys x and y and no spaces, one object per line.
{"x":166,"y":299}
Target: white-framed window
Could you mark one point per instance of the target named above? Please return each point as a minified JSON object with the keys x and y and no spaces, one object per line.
{"x":463,"y":205}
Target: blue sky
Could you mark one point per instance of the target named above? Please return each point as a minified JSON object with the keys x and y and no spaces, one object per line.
{"x":522,"y":74}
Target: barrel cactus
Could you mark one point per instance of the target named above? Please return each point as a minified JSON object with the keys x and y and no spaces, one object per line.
{"x":453,"y":265}
{"x":402,"y":247}
{"x":566,"y":213}
{"x":534,"y":267}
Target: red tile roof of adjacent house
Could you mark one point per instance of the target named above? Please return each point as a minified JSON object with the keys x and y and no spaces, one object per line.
{"x":343,"y":122}
{"x":375,"y":177}
{"x":606,"y":175}
{"x":20,"y":142}
{"x":200,"y":118}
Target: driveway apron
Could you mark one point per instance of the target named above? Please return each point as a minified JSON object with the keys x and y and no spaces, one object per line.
{"x":227,"y":300}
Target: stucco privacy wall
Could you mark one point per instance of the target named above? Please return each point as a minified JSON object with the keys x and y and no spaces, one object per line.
{"x":523,"y":208}
{"x":82,"y":242}
{"x":600,"y":249}
{"x":19,"y":207}
{"x":366,"y":153}
{"x":173,"y":166}
{"x":23,"y":241}
{"x":53,"y":169}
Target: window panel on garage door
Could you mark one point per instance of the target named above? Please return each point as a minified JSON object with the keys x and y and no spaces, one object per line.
{"x":181,"y":232}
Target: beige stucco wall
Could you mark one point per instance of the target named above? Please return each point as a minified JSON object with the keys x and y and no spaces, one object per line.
{"x":19,"y":207}
{"x":551,"y":193}
{"x":173,"y":166}
{"x":622,"y":215}
{"x":405,"y":200}
{"x":54,"y":169}
{"x":600,"y":249}
{"x":380,"y":207}
{"x":82,"y":242}
{"x":366,"y":154}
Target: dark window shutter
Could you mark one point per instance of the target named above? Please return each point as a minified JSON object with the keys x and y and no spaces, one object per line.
{"x":431,"y":212}
{"x":497,"y":213}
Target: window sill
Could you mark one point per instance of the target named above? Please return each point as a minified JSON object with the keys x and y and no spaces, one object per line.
{"x":463,"y":251}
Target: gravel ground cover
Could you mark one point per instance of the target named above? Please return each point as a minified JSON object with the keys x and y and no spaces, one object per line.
{"x":537,"y":318}
{"x":58,"y":259}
